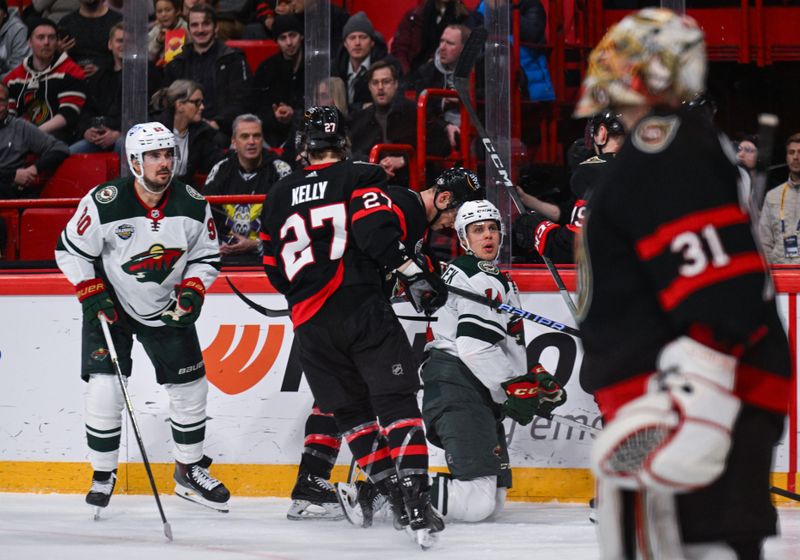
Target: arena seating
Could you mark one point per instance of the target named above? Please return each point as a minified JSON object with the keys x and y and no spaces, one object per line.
{"x":39,"y":230}
{"x":81,"y":172}
{"x":255,"y":51}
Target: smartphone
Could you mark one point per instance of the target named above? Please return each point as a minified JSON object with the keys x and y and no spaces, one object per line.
{"x":99,"y":123}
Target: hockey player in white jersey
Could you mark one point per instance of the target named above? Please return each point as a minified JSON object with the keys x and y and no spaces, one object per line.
{"x":472,"y":377}
{"x":141,"y":252}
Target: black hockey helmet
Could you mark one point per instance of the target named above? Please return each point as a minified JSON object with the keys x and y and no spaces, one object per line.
{"x":609,"y":119}
{"x":702,"y":104}
{"x":463,"y":183}
{"x":323,"y":129}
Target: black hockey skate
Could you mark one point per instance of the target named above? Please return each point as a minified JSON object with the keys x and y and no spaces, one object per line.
{"x":424,"y":521}
{"x":360,"y":501}
{"x":194,"y":483}
{"x":314,"y":497}
{"x":103,"y":483}
{"x":396,"y":503}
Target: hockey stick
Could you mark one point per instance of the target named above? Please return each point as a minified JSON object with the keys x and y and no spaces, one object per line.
{"x":784,"y":493}
{"x":466,"y":61}
{"x":767,"y":126}
{"x":286,"y":313}
{"x":115,"y":361}
{"x":500,"y":306}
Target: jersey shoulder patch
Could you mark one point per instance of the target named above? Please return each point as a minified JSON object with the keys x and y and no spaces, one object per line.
{"x":106,"y":193}
{"x":194,"y":194}
{"x":654,"y":134}
{"x":591,"y":160}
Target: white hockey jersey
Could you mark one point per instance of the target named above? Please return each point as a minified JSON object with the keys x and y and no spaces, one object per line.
{"x":490,"y":343}
{"x":143,"y":252}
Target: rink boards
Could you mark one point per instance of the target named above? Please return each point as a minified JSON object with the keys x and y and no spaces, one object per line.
{"x":259,"y":400}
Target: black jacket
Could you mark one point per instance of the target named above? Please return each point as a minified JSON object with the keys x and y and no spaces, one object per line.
{"x":276,"y":82}
{"x":231,"y":82}
{"x":340,"y":64}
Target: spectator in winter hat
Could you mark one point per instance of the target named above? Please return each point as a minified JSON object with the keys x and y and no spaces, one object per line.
{"x":361,"y":48}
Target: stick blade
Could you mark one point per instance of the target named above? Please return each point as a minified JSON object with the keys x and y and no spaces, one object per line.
{"x":470,"y":53}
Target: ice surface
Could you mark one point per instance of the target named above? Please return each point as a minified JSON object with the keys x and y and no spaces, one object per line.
{"x":55,"y":526}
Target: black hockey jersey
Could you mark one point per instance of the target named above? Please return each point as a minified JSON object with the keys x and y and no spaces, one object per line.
{"x":667,"y":250}
{"x":326,"y":227}
{"x":557,"y":240}
{"x":409,"y":211}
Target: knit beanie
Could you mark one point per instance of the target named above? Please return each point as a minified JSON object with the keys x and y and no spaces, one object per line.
{"x":286,"y":22}
{"x":358,"y":22}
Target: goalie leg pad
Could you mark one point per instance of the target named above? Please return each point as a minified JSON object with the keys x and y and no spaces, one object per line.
{"x":187,"y":412}
{"x":103,"y":418}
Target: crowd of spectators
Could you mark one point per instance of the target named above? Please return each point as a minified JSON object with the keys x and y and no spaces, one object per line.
{"x":61,"y":66}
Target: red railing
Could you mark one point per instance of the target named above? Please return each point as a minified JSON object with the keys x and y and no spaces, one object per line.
{"x":422,"y":130}
{"x":407,"y":150}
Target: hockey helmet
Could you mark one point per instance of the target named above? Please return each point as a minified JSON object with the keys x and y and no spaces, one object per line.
{"x":463,"y":183}
{"x":146,"y":137}
{"x":702,"y":104}
{"x":609,"y":119}
{"x":650,"y":57}
{"x":323,"y":129}
{"x":473,"y":211}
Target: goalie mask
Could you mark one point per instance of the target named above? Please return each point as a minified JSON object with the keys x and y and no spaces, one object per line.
{"x":323,"y":129}
{"x":146,"y":137}
{"x":651,"y":57}
{"x":474,"y":211}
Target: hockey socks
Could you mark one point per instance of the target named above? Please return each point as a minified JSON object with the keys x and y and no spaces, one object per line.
{"x":409,"y":451}
{"x":322,"y":443}
{"x":370,"y":450}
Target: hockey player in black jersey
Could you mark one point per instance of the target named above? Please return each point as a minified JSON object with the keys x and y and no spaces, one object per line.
{"x":416,"y":214}
{"x":550,"y":229}
{"x":683,"y":347}
{"x":329,"y":236}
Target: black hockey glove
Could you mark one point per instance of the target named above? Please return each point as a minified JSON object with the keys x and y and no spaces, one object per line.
{"x":423,"y":286}
{"x":524,"y":230}
{"x":96,"y":300}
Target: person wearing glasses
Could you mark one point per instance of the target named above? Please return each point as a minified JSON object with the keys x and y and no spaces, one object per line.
{"x":391,"y":119}
{"x":196,"y":147}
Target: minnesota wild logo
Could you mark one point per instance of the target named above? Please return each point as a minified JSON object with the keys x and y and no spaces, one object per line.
{"x":153,"y":265}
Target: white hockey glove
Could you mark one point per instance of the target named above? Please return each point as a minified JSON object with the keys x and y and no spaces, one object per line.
{"x":676,"y":437}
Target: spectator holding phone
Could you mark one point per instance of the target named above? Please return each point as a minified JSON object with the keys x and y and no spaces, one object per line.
{"x":84,"y":35}
{"x":100,"y":123}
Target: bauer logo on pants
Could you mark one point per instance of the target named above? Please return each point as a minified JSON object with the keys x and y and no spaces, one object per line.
{"x":234,"y":370}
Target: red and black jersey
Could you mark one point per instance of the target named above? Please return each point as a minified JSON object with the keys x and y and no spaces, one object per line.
{"x":327,"y":227}
{"x":557,"y":240}
{"x":667,"y":251}
{"x":409,"y":211}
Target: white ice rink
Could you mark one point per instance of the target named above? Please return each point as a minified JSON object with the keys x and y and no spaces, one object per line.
{"x":60,"y":527}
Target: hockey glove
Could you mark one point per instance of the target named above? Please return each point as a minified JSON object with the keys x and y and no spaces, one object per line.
{"x":422,"y":284}
{"x":676,"y":437}
{"x":191,"y":293}
{"x":536,"y":392}
{"x":95,"y":300}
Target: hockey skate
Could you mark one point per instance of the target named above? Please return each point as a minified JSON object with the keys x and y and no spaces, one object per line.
{"x":103,"y":483}
{"x":314,"y":497}
{"x":423,"y":520}
{"x":194,"y":483}
{"x":396,"y":503}
{"x":360,"y":501}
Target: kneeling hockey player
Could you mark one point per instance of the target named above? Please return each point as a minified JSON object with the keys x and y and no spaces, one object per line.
{"x":472,"y":377}
{"x":141,"y":252}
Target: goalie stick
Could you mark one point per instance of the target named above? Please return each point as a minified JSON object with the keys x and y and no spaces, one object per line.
{"x":500,"y":306}
{"x":466,"y":61}
{"x":115,"y":361}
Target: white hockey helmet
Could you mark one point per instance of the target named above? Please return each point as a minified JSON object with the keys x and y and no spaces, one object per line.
{"x":476,"y":211}
{"x":146,"y":137}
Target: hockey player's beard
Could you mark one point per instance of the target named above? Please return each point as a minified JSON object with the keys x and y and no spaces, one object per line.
{"x":155,"y":188}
